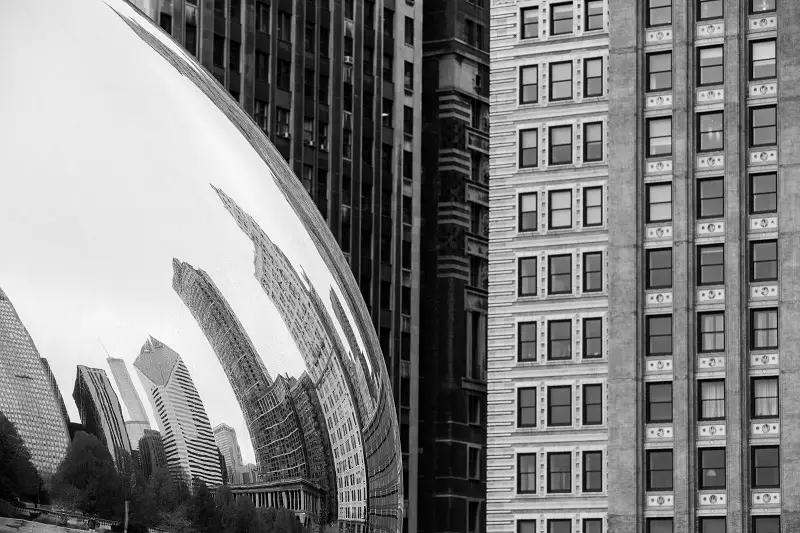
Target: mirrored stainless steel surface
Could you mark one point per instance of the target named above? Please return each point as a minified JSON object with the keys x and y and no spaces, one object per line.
{"x":148,"y":224}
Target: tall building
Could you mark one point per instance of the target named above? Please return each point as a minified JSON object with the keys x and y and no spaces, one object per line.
{"x":151,"y":452}
{"x":337,"y":87}
{"x":641,"y":315}
{"x":100,"y":411}
{"x":228,"y":444}
{"x":56,"y":390}
{"x":26,"y":396}
{"x":138,"y":420}
{"x":185,"y":430}
{"x":453,"y":305}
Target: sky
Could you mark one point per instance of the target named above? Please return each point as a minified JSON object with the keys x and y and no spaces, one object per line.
{"x":106,"y":161}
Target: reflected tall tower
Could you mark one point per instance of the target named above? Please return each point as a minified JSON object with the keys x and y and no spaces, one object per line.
{"x":26,"y":396}
{"x":228,"y":444}
{"x":56,"y":391}
{"x":138,"y":420}
{"x":185,"y":430}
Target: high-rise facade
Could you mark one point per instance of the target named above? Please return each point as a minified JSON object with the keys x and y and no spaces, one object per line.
{"x":26,"y":396}
{"x":644,"y":289}
{"x":228,"y":444}
{"x":56,"y":390}
{"x":337,"y":87}
{"x":100,"y":411}
{"x":182,"y":419}
{"x":138,"y":420}
{"x":151,"y":452}
{"x":455,"y":212}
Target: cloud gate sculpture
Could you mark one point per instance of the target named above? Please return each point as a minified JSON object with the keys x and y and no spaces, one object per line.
{"x":161,"y":261}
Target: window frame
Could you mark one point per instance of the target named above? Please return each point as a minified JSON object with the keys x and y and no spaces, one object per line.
{"x":752,"y":62}
{"x":520,"y":473}
{"x":701,"y":133}
{"x":550,"y":274}
{"x":554,"y":20}
{"x":587,"y":78}
{"x":586,"y":404}
{"x":551,"y":522}
{"x":753,"y":11}
{"x":754,"y":399}
{"x":700,"y":3}
{"x":702,"y":280}
{"x":754,"y":468}
{"x":649,"y":336}
{"x":524,"y":26}
{"x":659,"y":520}
{"x":552,"y":146}
{"x":649,"y":203}
{"x":587,"y":522}
{"x":649,"y":137}
{"x":753,"y":262}
{"x":701,"y":332}
{"x":523,"y":148}
{"x":758,"y":518}
{"x":649,"y":403}
{"x":550,"y":209}
{"x":521,"y":343}
{"x":587,"y":339}
{"x":585,"y":473}
{"x":701,"y":400}
{"x":650,"y":471}
{"x":522,"y":409}
{"x":587,"y":272}
{"x":521,"y":277}
{"x":550,"y":339}
{"x":587,"y":142}
{"x":701,"y":199}
{"x":588,"y":17}
{"x":587,"y":206}
{"x":522,"y":85}
{"x":752,"y":194}
{"x":651,"y":72}
{"x":702,"y":467}
{"x":753,"y":313}
{"x":751,"y":127}
{"x":649,"y":270}
{"x":550,"y":473}
{"x":552,"y":81}
{"x":704,"y":519}
{"x":526,"y":521}
{"x":521,"y":213}
{"x":551,"y":406}
{"x":649,"y":15}
{"x":701,"y":68}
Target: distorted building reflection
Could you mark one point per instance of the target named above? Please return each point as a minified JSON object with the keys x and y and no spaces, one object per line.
{"x":137,"y":422}
{"x":151,"y":454}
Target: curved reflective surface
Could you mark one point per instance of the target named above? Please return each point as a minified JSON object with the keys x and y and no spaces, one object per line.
{"x":163,"y":267}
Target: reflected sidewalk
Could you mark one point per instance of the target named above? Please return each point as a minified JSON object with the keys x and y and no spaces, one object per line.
{"x":17,"y":525}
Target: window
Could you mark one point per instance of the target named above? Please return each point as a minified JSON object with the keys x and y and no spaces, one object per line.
{"x":408,"y":76}
{"x":764,"y":397}
{"x":409,"y":31}
{"x":190,"y":38}
{"x":165,"y":21}
{"x":659,"y":71}
{"x":284,"y":81}
{"x":262,"y":17}
{"x":711,"y":332}
{"x":592,"y":471}
{"x":530,"y":23}
{"x":474,"y":404}
{"x":762,"y":6}
{"x":262,"y":67}
{"x":323,"y":135}
{"x":559,"y":472}
{"x":529,"y":84}
{"x":308,"y":130}
{"x":710,"y":9}
{"x":369,"y":61}
{"x":659,"y":525}
{"x":594,"y":15}
{"x":712,"y":468}
{"x":388,"y":67}
{"x":219,"y":51}
{"x":763,"y":126}
{"x":308,"y":84}
{"x":659,"y":268}
{"x":527,"y":276}
{"x":711,"y":264}
{"x":766,"y":472}
{"x":593,"y":272}
{"x":593,"y":80}
{"x":710,"y":63}
{"x":561,"y":81}
{"x":710,"y":127}
{"x":592,"y":525}
{"x":592,"y":338}
{"x":659,"y":402}
{"x":763,"y":193}
{"x":766,"y":524}
{"x":261,"y":114}
{"x":324,"y":41}
{"x":282,"y":122}
{"x":348,"y":9}
{"x":659,"y":334}
{"x":561,"y":145}
{"x":474,"y":462}
{"x":309,"y":37}
{"x":528,"y":218}
{"x":347,"y":144}
{"x":659,"y":13}
{"x":284,"y":26}
{"x":388,"y":21}
{"x":559,"y":525}
{"x":559,"y":340}
{"x":526,"y":526}
{"x":711,"y":199}
{"x":526,"y":341}
{"x":529,"y":146}
{"x":712,"y":524}
{"x":526,"y":407}
{"x":592,"y":405}
{"x":474,"y":516}
{"x":764,"y":261}
{"x":659,"y":202}
{"x":408,"y":120}
{"x":762,"y":59}
{"x":592,"y":206}
{"x":659,"y":136}
{"x":526,"y":473}
{"x":593,"y":142}
{"x":561,"y":18}
{"x":369,"y":14}
{"x":560,"y":205}
{"x":659,"y":469}
{"x":712,"y":399}
{"x":763,"y":329}
{"x":559,"y":274}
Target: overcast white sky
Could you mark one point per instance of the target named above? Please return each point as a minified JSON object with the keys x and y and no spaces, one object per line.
{"x":106,"y":155}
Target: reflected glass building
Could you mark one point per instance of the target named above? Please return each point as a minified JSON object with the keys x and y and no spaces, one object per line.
{"x":138,"y":420}
{"x":228,"y":444}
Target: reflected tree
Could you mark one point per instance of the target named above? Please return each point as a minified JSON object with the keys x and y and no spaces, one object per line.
{"x":18,"y":477}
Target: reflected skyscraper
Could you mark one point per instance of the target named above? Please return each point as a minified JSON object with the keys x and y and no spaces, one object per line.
{"x":56,"y":390}
{"x":185,"y":429}
{"x":228,"y":444}
{"x":100,"y":410}
{"x":26,"y":395}
{"x":138,"y":420}
{"x":151,"y":452}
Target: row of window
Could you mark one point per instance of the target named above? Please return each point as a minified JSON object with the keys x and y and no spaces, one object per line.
{"x":560,"y":148}
{"x":559,"y":274}
{"x":561,"y":525}
{"x":562,"y":19}
{"x":711,"y":332}
{"x":559,"y":340}
{"x":659,"y":12}
{"x":559,"y":472}
{"x":762,"y":131}
{"x":764,"y":393}
{"x":710,"y":198}
{"x":559,"y":207}
{"x":710,"y":65}
{"x":716,"y":524}
{"x":560,"y":81}
{"x":559,"y":406}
